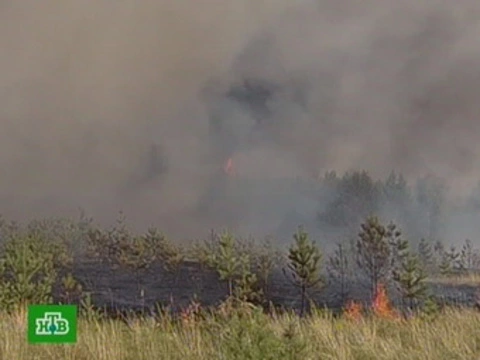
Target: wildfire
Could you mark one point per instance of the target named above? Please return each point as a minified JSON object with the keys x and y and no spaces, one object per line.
{"x":191,"y":314}
{"x":228,"y":167}
{"x":381,"y":304}
{"x":353,"y":311}
{"x":381,"y":307}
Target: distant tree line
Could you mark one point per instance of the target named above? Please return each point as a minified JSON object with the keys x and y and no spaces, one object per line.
{"x":419,"y":209}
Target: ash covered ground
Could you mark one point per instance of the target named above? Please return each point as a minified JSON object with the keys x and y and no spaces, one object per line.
{"x":118,"y":289}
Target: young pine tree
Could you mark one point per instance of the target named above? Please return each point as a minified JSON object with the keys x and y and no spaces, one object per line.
{"x":449,"y":262}
{"x":426,"y":256}
{"x":234,"y":267}
{"x":410,"y":279}
{"x":373,"y":252}
{"x":27,"y":272}
{"x":226,"y":261}
{"x":304,"y":259}
{"x":438,"y":255}
{"x":398,"y":246}
{"x":266,"y":260}
{"x":467,"y":257}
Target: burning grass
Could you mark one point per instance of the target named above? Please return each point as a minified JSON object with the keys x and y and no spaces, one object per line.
{"x":246,"y":332}
{"x":381,"y":305}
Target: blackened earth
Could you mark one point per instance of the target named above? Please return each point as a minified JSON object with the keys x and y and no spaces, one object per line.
{"x":119,"y":289}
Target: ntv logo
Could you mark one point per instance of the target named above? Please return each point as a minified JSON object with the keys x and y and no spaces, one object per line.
{"x":52,"y":324}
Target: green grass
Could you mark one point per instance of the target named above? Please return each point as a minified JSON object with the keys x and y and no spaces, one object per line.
{"x":454,"y":334}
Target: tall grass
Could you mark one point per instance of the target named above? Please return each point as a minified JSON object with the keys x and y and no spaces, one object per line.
{"x":453,"y":334}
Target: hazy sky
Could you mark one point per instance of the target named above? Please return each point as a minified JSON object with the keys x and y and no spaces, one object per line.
{"x":88,"y":87}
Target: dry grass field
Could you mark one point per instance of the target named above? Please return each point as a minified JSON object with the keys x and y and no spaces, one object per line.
{"x":251,"y":334}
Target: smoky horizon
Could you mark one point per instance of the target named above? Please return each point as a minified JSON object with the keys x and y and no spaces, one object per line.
{"x":195,"y":115}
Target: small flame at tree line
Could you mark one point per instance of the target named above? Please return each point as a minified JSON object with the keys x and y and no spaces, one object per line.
{"x":381,"y":307}
{"x":381,"y":304}
{"x":228,"y":167}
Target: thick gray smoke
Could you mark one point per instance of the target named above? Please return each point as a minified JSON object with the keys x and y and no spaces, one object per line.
{"x":136,"y":105}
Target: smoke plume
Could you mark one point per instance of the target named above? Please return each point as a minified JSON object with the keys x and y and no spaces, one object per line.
{"x":137,"y":105}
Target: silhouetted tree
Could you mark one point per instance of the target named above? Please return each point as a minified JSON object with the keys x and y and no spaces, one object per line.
{"x":396,"y":203}
{"x":398,"y":246}
{"x":331,"y":180}
{"x":449,"y":261}
{"x":468,"y":257}
{"x":395,"y":193}
{"x":430,"y":193}
{"x":340,"y":270}
{"x":357,"y":196}
{"x":426,"y":256}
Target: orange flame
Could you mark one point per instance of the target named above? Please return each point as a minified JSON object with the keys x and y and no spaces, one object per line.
{"x":353,"y":311}
{"x":381,"y":304}
{"x":228,"y":168}
{"x":190,"y":315}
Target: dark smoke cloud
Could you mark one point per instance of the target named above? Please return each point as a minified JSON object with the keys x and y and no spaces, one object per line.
{"x":111,"y":105}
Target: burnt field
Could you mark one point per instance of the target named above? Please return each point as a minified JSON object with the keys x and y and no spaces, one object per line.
{"x":117,"y":289}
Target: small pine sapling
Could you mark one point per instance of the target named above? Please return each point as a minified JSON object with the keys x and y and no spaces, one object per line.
{"x":304,"y":259}
{"x":373,"y":252}
{"x":410,"y":279}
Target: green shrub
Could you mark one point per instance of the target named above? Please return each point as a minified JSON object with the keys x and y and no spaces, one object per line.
{"x":252,"y":337}
{"x":28,"y":271}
